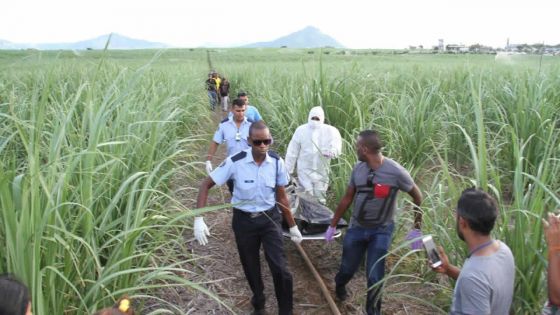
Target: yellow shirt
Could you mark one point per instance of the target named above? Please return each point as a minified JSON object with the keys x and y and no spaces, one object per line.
{"x":218,"y":81}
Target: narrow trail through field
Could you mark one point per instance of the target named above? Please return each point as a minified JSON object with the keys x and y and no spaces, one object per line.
{"x":216,"y":267}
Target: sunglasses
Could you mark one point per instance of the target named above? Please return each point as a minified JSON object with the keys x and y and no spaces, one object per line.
{"x":264,"y":141}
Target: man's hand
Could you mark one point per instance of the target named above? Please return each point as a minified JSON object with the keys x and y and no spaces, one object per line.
{"x":201,"y":231}
{"x":329,"y":234}
{"x":444,"y":267}
{"x":552,"y":231}
{"x":295,"y":234}
{"x":208,"y":167}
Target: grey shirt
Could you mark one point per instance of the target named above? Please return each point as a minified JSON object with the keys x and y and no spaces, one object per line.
{"x":375,"y":202}
{"x":485,"y":284}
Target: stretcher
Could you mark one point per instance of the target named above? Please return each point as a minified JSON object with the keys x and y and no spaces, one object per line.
{"x":312,"y":217}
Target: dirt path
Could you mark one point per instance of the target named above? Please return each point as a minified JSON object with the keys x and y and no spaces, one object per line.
{"x":216,"y":267}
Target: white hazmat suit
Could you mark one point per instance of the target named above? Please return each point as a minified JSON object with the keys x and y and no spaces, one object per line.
{"x":312,"y":147}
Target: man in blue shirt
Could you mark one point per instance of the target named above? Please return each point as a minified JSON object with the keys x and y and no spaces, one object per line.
{"x":259,"y":176}
{"x":252,"y":112}
{"x":234,"y":131}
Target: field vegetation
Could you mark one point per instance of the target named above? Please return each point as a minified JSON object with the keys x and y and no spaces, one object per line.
{"x":91,"y":143}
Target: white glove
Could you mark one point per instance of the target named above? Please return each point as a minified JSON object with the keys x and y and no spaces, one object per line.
{"x":295,"y":234}
{"x":208,"y":167}
{"x":201,"y":230}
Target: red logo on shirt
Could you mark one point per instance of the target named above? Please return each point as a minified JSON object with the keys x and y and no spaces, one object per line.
{"x":381,"y":190}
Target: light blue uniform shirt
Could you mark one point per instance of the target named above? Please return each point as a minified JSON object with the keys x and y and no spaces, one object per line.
{"x":251,"y":113}
{"x":254,"y":185}
{"x":236,"y":139}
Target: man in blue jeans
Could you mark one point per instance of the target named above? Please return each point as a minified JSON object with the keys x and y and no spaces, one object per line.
{"x":212,"y":88}
{"x":373,"y":187}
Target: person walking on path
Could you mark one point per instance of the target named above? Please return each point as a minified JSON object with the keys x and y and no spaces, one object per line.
{"x":259,"y":176}
{"x":212,"y":88}
{"x":312,"y":147}
{"x":234,"y":131}
{"x":373,"y":188}
{"x":252,"y":112}
{"x":224,"y":93}
{"x":485,"y":283}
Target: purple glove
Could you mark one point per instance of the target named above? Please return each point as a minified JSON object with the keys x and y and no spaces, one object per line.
{"x":415,"y":234}
{"x":329,"y":234}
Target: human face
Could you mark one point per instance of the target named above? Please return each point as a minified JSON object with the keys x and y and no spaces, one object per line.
{"x":238,"y":112}
{"x":260,"y":141}
{"x":361,"y":150}
{"x":458,"y":226}
{"x":244,"y":99}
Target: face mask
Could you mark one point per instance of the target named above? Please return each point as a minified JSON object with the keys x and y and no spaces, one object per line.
{"x":314,"y":124}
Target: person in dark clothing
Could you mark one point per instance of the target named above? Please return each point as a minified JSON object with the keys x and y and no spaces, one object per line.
{"x":224,"y":93}
{"x":373,"y":188}
{"x":211,"y":87}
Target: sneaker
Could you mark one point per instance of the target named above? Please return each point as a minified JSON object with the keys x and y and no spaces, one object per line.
{"x":341,"y":292}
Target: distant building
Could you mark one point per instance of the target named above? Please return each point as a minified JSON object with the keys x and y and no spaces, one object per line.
{"x":460,"y":48}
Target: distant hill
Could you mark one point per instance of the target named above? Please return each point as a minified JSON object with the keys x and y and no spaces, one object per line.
{"x":309,"y":37}
{"x":4,"y":44}
{"x":117,"y":42}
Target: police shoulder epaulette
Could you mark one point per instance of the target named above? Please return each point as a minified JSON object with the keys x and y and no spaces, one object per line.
{"x":223,"y":121}
{"x":238,"y":156}
{"x":273,"y":154}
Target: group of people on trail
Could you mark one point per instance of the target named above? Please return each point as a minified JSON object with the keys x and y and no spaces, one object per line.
{"x":256,"y":178}
{"x":218,"y":90}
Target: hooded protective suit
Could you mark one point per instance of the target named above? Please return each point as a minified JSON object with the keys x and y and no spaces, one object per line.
{"x":311,"y":148}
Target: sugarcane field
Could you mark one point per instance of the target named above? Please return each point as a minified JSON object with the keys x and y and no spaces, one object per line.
{"x":280,"y":180}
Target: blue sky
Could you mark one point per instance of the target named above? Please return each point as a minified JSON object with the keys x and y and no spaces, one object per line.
{"x":356,"y":24}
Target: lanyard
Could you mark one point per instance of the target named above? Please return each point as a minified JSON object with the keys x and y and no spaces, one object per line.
{"x":481,"y":246}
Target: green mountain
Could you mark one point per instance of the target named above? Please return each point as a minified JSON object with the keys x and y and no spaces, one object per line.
{"x":309,"y":37}
{"x":117,"y":42}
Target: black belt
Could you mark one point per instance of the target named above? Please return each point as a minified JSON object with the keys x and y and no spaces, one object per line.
{"x":253,"y":215}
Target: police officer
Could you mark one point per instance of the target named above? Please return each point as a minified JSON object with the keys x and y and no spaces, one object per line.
{"x":259,"y":176}
{"x":234,"y":131}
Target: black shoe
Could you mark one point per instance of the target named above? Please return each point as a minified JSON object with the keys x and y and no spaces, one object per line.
{"x":341,"y":292}
{"x":258,"y":312}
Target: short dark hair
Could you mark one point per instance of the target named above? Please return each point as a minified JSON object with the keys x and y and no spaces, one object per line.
{"x":258,"y":125}
{"x":238,"y":102}
{"x":479,"y":209}
{"x":371,"y":140}
{"x":241,"y":93}
{"x":14,"y":295}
